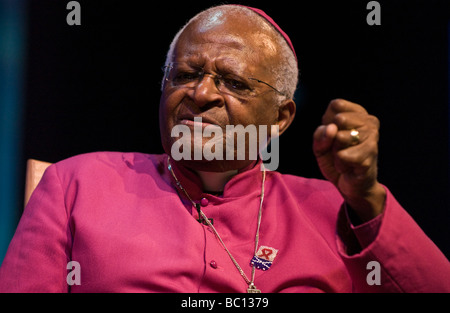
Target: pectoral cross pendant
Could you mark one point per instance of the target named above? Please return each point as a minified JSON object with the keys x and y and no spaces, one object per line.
{"x":252,"y":289}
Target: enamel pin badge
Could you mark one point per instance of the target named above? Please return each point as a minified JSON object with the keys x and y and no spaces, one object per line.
{"x":264,"y":258}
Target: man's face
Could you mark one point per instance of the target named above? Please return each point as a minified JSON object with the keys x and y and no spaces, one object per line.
{"x":220,"y":45}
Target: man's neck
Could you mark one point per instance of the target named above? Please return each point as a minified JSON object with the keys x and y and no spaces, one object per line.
{"x":215,"y":181}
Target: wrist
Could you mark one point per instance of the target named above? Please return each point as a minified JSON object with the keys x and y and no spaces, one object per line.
{"x":370,"y":205}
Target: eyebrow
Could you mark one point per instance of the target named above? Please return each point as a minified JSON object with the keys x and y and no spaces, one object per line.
{"x":222,"y":64}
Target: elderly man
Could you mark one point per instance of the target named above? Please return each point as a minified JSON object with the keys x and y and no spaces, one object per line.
{"x":130,"y":222}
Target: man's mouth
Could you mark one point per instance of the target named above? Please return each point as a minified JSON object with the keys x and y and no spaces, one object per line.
{"x":197,"y":121}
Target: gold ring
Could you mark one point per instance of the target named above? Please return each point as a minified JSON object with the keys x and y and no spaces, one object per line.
{"x":355,"y":136}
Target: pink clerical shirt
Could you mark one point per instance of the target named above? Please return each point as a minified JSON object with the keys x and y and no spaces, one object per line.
{"x":123,"y":219}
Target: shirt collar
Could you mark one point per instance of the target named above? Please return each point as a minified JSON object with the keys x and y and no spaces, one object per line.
{"x":245,"y":182}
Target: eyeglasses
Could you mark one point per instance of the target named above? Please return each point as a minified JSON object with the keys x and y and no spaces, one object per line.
{"x":183,"y":75}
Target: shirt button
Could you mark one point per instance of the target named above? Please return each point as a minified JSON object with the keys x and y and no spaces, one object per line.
{"x":213,"y":264}
{"x":204,"y":202}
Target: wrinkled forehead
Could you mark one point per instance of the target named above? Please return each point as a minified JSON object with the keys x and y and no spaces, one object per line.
{"x":222,"y":34}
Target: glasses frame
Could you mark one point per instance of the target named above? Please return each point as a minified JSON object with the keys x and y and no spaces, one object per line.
{"x":166,"y":69}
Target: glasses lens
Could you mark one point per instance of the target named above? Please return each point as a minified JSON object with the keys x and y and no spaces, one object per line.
{"x":183,"y":75}
{"x":180,"y":75}
{"x":237,"y":85}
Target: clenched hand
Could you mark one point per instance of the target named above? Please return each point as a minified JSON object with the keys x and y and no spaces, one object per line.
{"x":349,"y":160}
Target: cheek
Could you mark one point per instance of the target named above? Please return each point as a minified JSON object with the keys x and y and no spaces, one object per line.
{"x":262,"y":115}
{"x":168,"y":105}
{"x":255,"y":114}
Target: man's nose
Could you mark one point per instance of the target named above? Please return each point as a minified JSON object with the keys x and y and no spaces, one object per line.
{"x":207,"y":93}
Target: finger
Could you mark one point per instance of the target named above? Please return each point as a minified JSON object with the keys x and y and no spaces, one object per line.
{"x":362,"y":156}
{"x":340,"y":106}
{"x":323,"y":139}
{"x":358,"y":174}
{"x":348,"y":138}
{"x":351,"y":120}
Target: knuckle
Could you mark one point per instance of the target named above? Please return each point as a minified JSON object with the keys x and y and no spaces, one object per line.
{"x":375,"y":121}
{"x":339,"y":119}
{"x":341,"y":137}
{"x":337,"y":104}
{"x":348,"y":157}
{"x":367,"y":163}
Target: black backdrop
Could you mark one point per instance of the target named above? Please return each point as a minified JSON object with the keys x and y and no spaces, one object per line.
{"x":96,"y":86}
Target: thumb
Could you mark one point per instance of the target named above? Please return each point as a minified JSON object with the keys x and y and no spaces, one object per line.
{"x":323,"y":139}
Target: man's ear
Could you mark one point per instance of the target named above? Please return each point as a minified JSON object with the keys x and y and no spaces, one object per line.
{"x":286,"y":114}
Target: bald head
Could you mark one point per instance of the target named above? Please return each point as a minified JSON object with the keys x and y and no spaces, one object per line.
{"x":248,"y":32}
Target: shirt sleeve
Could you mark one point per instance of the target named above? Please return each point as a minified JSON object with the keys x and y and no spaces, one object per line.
{"x":37,"y":257}
{"x":408,"y":260}
{"x":365,"y":233}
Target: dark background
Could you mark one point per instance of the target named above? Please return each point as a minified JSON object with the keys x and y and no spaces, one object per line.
{"x":96,"y":86}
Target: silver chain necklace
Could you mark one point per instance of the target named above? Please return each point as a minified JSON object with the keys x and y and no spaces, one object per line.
{"x":251,"y":283}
